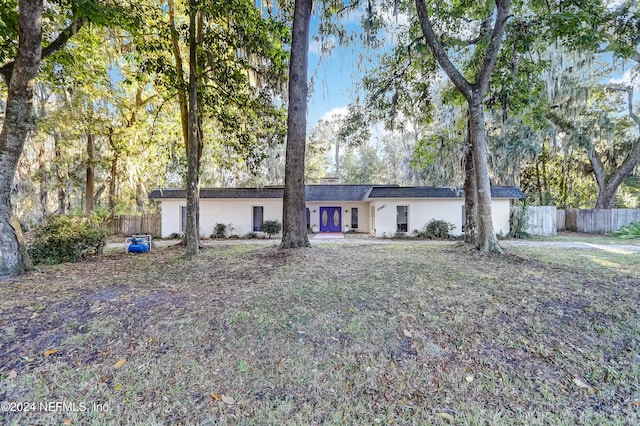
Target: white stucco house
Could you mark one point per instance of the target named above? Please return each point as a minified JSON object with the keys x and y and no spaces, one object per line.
{"x":380,"y":210}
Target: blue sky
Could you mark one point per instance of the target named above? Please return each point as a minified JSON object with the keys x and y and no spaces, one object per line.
{"x":332,"y":79}
{"x":333,"y":74}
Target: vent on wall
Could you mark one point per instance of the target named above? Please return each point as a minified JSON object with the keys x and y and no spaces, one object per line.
{"x":330,"y":181}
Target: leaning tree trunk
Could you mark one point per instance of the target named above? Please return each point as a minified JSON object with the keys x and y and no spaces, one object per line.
{"x":294,"y":209}
{"x":17,"y":124}
{"x":608,"y":187}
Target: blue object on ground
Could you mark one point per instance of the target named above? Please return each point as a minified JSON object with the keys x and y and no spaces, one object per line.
{"x":138,"y":248}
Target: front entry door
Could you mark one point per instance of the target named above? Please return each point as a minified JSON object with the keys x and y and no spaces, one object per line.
{"x":330,"y":219}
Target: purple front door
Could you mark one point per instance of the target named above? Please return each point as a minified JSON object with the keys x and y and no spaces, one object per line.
{"x":330,"y":219}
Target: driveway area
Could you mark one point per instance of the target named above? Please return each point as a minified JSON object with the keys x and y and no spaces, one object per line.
{"x":623,"y":248}
{"x":616,"y":248}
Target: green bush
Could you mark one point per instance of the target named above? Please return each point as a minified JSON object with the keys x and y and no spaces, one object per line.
{"x":518,"y":219}
{"x":437,"y":229}
{"x":66,"y":239}
{"x":250,"y":236}
{"x":628,"y":232}
{"x":219,"y":231}
{"x":271,"y":227}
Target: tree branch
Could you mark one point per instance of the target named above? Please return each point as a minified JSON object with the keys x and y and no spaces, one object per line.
{"x":491,"y":54}
{"x":596,"y":163}
{"x":440,"y":53}
{"x":629,"y":91}
{"x":485,"y":29}
{"x":633,"y":116}
{"x":58,"y":43}
{"x":350,"y":6}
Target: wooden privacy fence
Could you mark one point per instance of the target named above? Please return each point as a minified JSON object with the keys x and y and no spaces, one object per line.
{"x":129,"y":225}
{"x":542,"y":220}
{"x":598,"y":221}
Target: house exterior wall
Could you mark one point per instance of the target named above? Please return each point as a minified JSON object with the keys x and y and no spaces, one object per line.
{"x":345,"y":209}
{"x":500,"y":209}
{"x":377,"y":217}
{"x":421,"y":212}
{"x":171,"y":216}
{"x":235,"y":212}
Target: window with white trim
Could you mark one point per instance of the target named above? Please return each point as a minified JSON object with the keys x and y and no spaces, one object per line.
{"x":258,"y":218}
{"x":183,"y":218}
{"x":402,"y":218}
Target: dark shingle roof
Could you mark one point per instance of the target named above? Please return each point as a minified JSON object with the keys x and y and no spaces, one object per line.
{"x":267,"y":192}
{"x":507,"y":192}
{"x":439,"y":192}
{"x":339,"y":192}
{"x":413,"y":192}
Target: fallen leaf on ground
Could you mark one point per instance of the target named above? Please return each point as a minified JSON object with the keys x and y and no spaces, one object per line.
{"x":67,"y":421}
{"x":228,"y":400}
{"x":12,"y":375}
{"x":49,"y":352}
{"x":407,"y":333}
{"x":579,"y":383}
{"x":469,"y":378}
{"x":216,"y":396}
{"x":448,"y":417}
{"x":119,"y":363}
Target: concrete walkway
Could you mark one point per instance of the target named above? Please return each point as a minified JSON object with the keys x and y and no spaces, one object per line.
{"x":366,"y":239}
{"x":614,"y":248}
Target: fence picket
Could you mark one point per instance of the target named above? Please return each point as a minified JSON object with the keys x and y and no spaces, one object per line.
{"x":589,"y":221}
{"x":130,"y":224}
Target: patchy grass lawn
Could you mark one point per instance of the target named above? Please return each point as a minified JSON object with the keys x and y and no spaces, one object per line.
{"x":397,"y":333}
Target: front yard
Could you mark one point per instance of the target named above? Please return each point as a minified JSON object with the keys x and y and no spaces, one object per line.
{"x":407,"y":332}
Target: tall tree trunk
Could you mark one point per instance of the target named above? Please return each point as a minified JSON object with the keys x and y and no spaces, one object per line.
{"x":337,"y":157}
{"x":141,"y":196}
{"x":474,"y":94}
{"x":192,"y":233}
{"x":470,"y":193}
{"x":294,"y":229}
{"x":177,"y":55}
{"x":90,"y":186}
{"x":62,"y":193}
{"x":538,"y":180}
{"x":113,"y":176}
{"x":42,"y":171}
{"x":17,"y":124}
{"x":486,"y":241}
